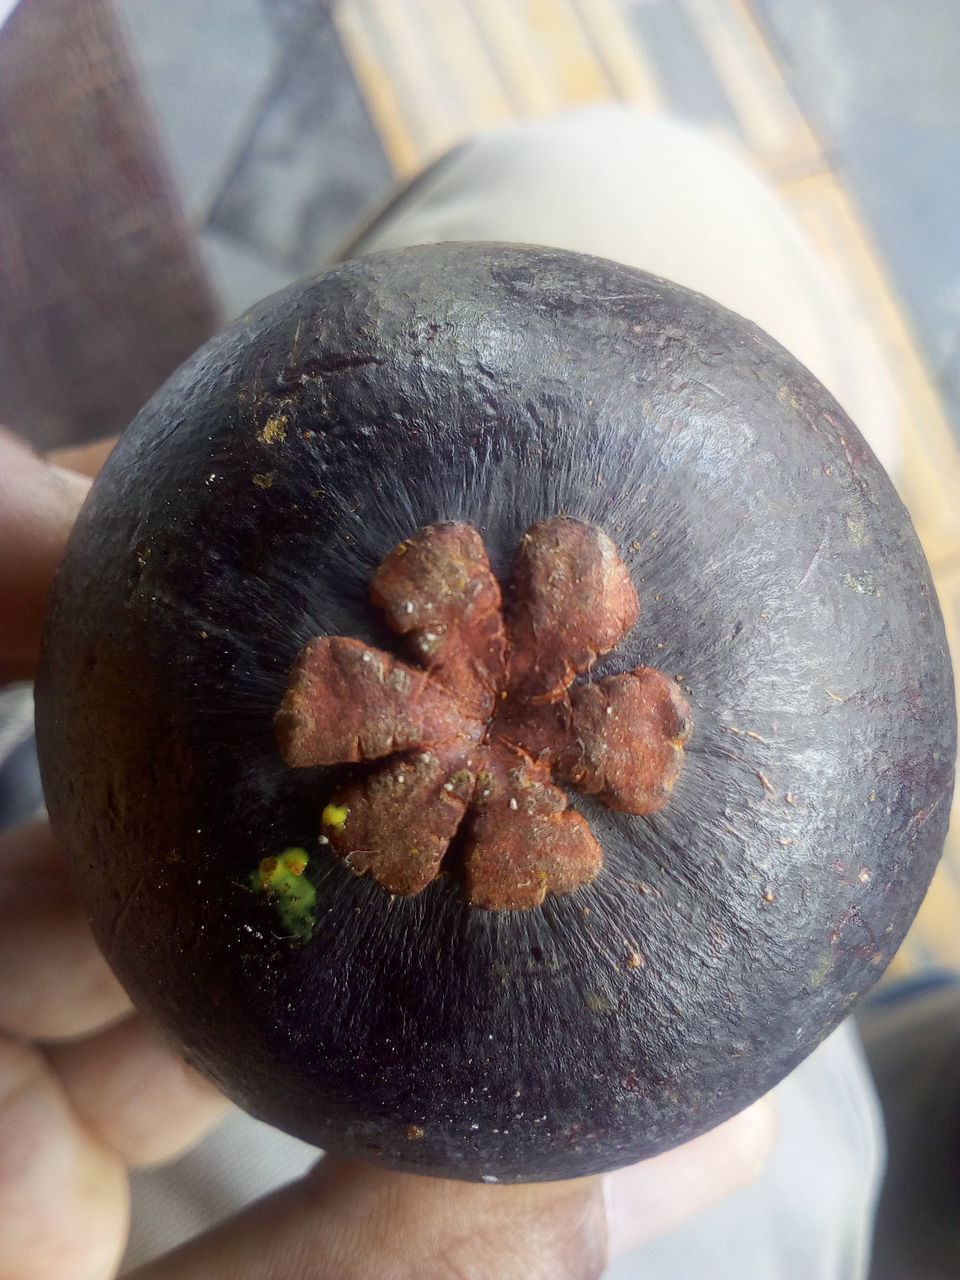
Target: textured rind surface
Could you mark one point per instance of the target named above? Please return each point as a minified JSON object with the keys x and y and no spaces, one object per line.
{"x":245,"y":511}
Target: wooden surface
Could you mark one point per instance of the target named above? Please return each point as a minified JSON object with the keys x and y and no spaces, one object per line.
{"x":101,"y":292}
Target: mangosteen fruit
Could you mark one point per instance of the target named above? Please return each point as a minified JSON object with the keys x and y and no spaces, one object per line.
{"x":496,"y":712}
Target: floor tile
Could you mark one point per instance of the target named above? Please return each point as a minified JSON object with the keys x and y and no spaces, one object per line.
{"x":688,"y":77}
{"x":101,"y":292}
{"x":880,"y":82}
{"x":311,"y":163}
{"x":240,"y":273}
{"x":204,"y":67}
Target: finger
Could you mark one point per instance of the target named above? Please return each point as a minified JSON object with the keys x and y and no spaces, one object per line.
{"x":653,"y":1197}
{"x":63,"y":1199}
{"x":87,"y":459}
{"x":38,"y":505}
{"x":349,"y":1220}
{"x":53,"y":980}
{"x":352,"y":1221}
{"x":135,"y":1093}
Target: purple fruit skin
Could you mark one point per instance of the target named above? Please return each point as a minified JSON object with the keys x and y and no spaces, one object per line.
{"x":245,"y":510}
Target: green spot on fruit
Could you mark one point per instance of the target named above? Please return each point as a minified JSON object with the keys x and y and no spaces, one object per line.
{"x":294,"y":897}
{"x":335,"y":815}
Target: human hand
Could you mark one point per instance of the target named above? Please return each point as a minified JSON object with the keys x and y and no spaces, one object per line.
{"x":88,"y":1088}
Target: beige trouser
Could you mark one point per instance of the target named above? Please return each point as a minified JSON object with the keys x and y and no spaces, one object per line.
{"x":654,"y":194}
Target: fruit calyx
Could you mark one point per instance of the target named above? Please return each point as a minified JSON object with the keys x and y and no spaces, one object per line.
{"x":471,"y":738}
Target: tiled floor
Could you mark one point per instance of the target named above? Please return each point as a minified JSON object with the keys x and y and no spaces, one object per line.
{"x":892,"y":121}
{"x":287,"y":121}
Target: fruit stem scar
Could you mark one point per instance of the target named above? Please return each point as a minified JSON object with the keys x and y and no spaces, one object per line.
{"x":468,"y":737}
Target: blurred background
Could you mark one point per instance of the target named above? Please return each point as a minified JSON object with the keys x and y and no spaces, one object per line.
{"x":164,"y":163}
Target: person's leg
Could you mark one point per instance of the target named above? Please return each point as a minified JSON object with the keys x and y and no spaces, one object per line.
{"x":654,"y":194}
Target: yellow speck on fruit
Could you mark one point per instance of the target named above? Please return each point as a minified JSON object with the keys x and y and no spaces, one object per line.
{"x":786,"y":396}
{"x":858,"y":535}
{"x":282,"y":879}
{"x":820,"y":972}
{"x":334,"y":815}
{"x":597,"y":1002}
{"x":273,"y":430}
{"x":265,"y":480}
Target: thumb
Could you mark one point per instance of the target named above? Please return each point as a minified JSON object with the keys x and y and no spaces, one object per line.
{"x":38,"y":505}
{"x":352,"y":1221}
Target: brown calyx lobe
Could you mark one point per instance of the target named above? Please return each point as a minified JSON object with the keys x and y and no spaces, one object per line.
{"x":573,"y":600}
{"x":438,"y":591}
{"x":472,"y":737}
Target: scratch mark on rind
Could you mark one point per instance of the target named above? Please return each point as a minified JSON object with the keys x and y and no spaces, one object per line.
{"x":811,"y":565}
